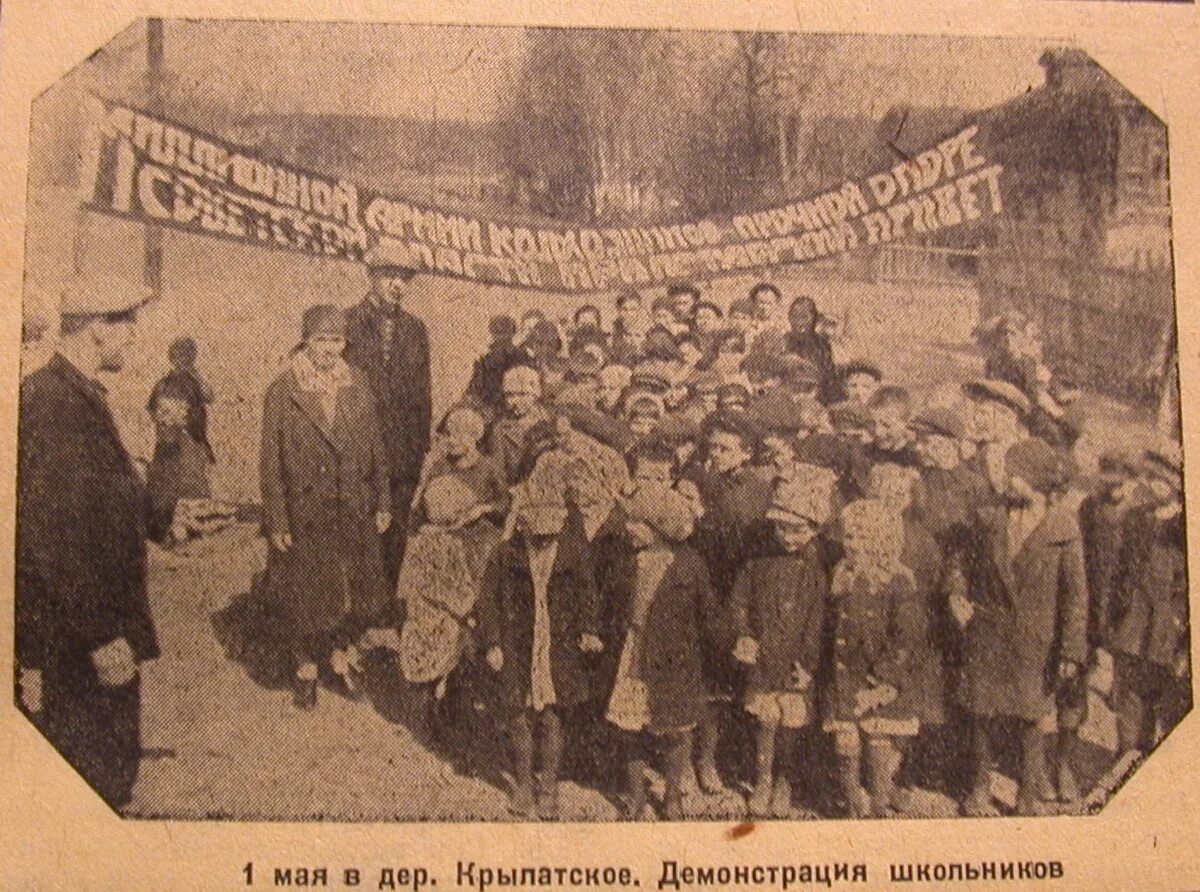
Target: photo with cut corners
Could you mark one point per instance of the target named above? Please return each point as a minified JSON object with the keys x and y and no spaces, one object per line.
{"x":438,"y":423}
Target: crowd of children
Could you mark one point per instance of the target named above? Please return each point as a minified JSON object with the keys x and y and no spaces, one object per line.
{"x":693,"y":527}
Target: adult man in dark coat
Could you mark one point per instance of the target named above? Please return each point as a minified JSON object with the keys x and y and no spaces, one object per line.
{"x":391,"y":346}
{"x":83,"y":619}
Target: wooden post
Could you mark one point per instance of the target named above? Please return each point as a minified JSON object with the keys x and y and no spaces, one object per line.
{"x":153,"y":241}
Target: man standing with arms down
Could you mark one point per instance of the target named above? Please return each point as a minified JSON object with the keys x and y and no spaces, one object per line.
{"x":391,"y":346}
{"x":83,"y":619}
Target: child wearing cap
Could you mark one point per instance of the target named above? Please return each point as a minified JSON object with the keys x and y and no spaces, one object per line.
{"x":877,"y":627}
{"x":1020,"y":597}
{"x":779,"y":613}
{"x":643,"y":412}
{"x":656,"y":590}
{"x":1102,"y":518}
{"x":860,"y":380}
{"x":538,"y":620}
{"x":1150,"y":631}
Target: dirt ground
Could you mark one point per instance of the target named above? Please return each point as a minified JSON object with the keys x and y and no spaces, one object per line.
{"x":223,"y":740}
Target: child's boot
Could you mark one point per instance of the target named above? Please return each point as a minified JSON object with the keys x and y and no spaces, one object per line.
{"x":522,"y":802}
{"x":551,"y":750}
{"x":882,"y":763}
{"x":764,"y":765}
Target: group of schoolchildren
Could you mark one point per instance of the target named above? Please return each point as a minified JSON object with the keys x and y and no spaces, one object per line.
{"x":692,"y":526}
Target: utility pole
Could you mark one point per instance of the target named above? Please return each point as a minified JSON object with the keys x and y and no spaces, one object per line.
{"x":153,"y":243}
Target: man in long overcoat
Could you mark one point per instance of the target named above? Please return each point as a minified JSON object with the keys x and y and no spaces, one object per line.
{"x":83,"y":621}
{"x":326,"y":499}
{"x":391,"y":347}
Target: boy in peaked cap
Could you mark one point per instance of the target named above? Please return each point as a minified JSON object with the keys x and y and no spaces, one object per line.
{"x":860,"y":380}
{"x":779,"y":616}
{"x":539,"y":620}
{"x":1150,"y":626}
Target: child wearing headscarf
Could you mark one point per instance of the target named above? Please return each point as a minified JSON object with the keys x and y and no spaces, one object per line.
{"x":779,"y":609}
{"x":538,"y":622}
{"x":454,"y":534}
{"x":658,"y":591}
{"x":877,"y":622}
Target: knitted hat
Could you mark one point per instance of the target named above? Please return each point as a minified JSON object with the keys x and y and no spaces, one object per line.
{"x":522,"y":379}
{"x":805,"y":495}
{"x":662,"y":508}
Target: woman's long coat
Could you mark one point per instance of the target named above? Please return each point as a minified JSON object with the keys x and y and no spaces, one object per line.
{"x":506,"y":615}
{"x":1029,"y":614}
{"x":323,"y":483}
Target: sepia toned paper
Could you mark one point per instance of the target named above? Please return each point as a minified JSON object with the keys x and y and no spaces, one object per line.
{"x":921,"y":171}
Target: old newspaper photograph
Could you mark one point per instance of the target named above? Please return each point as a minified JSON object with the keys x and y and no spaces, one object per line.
{"x":562,"y":425}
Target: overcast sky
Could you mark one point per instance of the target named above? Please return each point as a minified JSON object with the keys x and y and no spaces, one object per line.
{"x":463,"y":72}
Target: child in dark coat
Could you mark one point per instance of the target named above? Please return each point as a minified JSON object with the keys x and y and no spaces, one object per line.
{"x":779,"y":610}
{"x":877,"y":625}
{"x":1150,"y":629}
{"x":538,"y":619}
{"x":661,"y":599}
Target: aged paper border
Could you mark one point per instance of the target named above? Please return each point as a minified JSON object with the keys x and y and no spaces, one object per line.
{"x":56,"y":834}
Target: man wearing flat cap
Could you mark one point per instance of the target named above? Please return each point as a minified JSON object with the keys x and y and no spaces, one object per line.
{"x":391,"y":346}
{"x":83,"y":623}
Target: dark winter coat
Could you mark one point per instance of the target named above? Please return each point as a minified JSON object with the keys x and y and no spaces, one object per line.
{"x":1152,"y":596}
{"x":1029,"y":615}
{"x":676,"y":626}
{"x":817,"y":350}
{"x":506,"y":615}
{"x":780,"y":601}
{"x":398,"y":373}
{"x":1102,"y":525}
{"x":730,"y":532}
{"x":927,"y":675}
{"x":876,"y":634}
{"x":81,"y":523}
{"x":323,"y":483}
{"x":81,"y":572}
